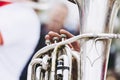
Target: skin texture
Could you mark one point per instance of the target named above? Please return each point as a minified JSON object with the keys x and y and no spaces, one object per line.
{"x":74,"y":45}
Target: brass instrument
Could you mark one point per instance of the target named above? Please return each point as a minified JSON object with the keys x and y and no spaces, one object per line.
{"x":55,"y":61}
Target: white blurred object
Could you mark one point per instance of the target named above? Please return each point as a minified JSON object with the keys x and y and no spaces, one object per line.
{"x":72,"y":20}
{"x":19,"y":26}
{"x":39,"y":6}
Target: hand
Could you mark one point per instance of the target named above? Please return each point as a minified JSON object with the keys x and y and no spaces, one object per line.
{"x":75,"y":45}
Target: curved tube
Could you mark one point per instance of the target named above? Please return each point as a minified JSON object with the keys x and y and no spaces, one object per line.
{"x":31,"y":69}
{"x":66,"y":64}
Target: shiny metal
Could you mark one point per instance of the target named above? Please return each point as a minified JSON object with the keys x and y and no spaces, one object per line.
{"x":48,"y":50}
{"x":97,"y":16}
{"x":56,"y":61}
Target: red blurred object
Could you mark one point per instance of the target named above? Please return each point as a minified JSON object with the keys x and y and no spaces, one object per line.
{"x":2,"y":3}
{"x":1,"y":39}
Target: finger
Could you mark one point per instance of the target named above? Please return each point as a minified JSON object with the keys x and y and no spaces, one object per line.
{"x":70,"y":45}
{"x":47,"y":37}
{"x":53,"y":34}
{"x":68,"y":34}
{"x":47,"y":40}
{"x":75,"y":44}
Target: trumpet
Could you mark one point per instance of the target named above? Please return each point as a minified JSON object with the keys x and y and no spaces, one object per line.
{"x":59,"y":62}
